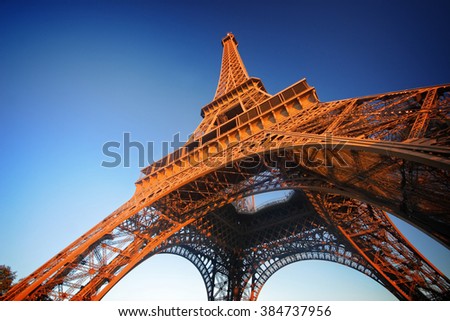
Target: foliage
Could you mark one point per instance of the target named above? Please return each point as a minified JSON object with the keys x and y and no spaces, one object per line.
{"x":7,"y":278}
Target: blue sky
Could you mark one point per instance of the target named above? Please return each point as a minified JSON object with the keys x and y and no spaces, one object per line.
{"x":77,"y":74}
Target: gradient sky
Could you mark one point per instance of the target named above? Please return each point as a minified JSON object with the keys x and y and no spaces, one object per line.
{"x":77,"y":74}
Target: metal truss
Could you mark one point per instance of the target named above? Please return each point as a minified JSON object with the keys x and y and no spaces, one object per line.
{"x":349,"y":162}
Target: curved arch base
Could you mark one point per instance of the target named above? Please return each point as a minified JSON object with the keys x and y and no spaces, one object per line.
{"x":235,"y":264}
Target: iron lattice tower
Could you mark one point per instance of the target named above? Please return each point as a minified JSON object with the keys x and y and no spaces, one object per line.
{"x":347,"y":162}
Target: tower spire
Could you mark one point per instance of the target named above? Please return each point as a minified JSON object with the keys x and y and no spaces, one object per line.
{"x":232,"y":71}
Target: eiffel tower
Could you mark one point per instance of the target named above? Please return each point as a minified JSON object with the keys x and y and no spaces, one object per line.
{"x":345,"y":164}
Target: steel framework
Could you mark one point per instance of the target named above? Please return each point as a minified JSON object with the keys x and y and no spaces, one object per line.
{"x":347,"y":162}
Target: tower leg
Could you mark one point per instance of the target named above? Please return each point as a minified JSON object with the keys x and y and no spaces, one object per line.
{"x":402,"y":269}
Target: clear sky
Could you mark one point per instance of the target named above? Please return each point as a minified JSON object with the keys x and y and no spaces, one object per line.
{"x":77,"y":74}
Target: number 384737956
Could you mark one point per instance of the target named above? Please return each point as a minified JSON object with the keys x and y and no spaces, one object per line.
{"x":295,"y":310}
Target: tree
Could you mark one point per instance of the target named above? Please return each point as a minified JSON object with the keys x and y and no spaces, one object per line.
{"x":7,"y":277}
